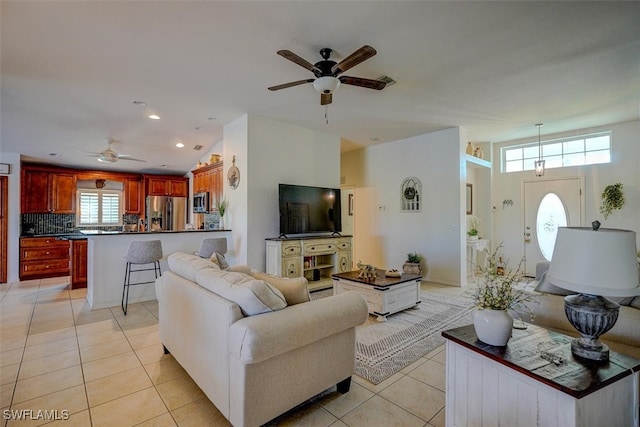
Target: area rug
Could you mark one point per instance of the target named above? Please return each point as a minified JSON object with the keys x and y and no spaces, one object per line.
{"x":382,"y":349}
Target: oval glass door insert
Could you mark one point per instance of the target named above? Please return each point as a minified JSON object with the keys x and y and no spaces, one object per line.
{"x":551,"y":215}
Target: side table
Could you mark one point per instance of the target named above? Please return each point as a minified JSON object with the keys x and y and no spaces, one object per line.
{"x":513,"y":385}
{"x":474,"y":246}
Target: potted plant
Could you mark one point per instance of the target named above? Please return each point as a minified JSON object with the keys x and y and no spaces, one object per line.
{"x":222,"y":206}
{"x":612,"y":198}
{"x":413,"y":264}
{"x":494,"y":297}
{"x":472,"y":228}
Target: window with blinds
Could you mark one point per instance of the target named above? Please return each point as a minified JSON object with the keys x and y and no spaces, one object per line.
{"x":99,"y":208}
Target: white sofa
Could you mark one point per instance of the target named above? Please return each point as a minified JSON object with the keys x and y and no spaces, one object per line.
{"x":624,"y":337}
{"x":254,"y":367}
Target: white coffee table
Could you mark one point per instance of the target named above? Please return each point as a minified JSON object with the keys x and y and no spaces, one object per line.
{"x":384,"y":295}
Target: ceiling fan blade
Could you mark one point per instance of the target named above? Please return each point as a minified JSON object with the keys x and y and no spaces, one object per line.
{"x":326,"y":98}
{"x":298,"y":60}
{"x":286,"y":85}
{"x":128,"y":157}
{"x":365,"y":52}
{"x":359,"y":81}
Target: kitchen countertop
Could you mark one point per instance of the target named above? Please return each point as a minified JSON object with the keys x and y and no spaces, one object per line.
{"x":87,"y":233}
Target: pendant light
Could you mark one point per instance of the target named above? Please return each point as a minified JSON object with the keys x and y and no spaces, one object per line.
{"x":539,"y":164}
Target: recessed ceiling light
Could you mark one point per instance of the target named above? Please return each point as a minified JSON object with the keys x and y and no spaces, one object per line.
{"x":179,"y":145}
{"x":211,"y":118}
{"x":54,"y":154}
{"x":140,"y":103}
{"x":154,"y":117}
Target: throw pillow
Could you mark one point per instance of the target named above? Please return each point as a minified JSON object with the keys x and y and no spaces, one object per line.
{"x":545,"y":287}
{"x":295,"y":290}
{"x":219,"y":260}
{"x":252,"y":296}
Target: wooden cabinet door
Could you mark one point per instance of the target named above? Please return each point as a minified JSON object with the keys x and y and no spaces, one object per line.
{"x":216,"y":186}
{"x":63,"y":193}
{"x":157,"y":186}
{"x":132,"y":196}
{"x":35,"y":192}
{"x":79,"y":264}
{"x":178,"y":188}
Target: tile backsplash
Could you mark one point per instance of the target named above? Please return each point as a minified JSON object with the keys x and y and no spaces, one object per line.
{"x":45,"y":223}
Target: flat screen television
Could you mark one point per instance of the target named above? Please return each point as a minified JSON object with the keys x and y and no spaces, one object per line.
{"x":308,"y":210}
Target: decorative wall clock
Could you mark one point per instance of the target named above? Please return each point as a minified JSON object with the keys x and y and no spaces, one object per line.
{"x":233,"y":175}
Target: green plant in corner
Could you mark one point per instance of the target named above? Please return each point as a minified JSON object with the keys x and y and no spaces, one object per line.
{"x":414,"y":257}
{"x":222,"y":206}
{"x":612,"y":198}
{"x":472,"y":227}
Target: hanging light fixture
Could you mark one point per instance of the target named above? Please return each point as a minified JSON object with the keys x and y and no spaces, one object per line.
{"x":539,"y":164}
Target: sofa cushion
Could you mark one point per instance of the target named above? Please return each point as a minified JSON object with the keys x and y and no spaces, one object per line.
{"x":187,"y":265}
{"x":635,"y":303}
{"x":219,"y":261}
{"x":295,"y":290}
{"x":546,"y":287}
{"x":252,"y":295}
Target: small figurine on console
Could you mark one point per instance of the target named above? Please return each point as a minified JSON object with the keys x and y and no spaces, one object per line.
{"x":367,"y":271}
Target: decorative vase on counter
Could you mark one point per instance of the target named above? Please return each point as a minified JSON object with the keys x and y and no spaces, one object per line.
{"x":493,"y":327}
{"x":469,"y":148}
{"x":221,"y":223}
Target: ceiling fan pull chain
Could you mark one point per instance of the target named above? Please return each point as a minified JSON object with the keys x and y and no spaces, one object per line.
{"x":326,"y":114}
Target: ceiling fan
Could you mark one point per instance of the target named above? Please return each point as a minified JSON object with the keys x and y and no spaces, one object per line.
{"x":111,"y":156}
{"x":328,"y":73}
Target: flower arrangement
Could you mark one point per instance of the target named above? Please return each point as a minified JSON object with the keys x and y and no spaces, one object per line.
{"x":472,"y":225}
{"x":500,"y":292}
{"x":222,"y":206}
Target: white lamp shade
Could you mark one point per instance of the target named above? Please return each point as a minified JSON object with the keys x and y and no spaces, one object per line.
{"x":602,"y":262}
{"x":326,"y":84}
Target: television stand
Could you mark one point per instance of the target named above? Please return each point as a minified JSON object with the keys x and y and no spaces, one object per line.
{"x":314,"y":257}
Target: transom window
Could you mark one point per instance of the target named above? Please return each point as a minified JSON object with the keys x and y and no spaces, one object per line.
{"x":559,"y":153}
{"x":99,"y":207}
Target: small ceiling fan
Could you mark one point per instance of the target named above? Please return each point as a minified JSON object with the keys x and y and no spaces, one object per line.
{"x":111,"y":156}
{"x":328,"y":72}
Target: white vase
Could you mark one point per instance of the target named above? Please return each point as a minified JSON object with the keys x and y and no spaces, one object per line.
{"x":493,"y":327}
{"x":221,"y":223}
{"x":472,"y":237}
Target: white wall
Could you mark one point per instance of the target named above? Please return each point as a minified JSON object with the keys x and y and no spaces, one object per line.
{"x":268,"y":153}
{"x":13,"y":249}
{"x":384,"y":234}
{"x":624,"y":167}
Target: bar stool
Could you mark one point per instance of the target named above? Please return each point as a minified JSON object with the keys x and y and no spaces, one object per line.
{"x":209,"y":246}
{"x":139,"y":253}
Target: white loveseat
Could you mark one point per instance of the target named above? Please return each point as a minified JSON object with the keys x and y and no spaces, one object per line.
{"x":254,"y":367}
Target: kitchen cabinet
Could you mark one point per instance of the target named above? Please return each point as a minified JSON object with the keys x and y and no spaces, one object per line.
{"x":160,"y":185}
{"x":47,"y":191}
{"x":133,"y":197}
{"x":42,"y":257}
{"x":209,"y":179}
{"x":79,"y":263}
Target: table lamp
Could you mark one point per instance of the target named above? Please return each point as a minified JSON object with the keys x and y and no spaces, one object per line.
{"x":594,"y":263}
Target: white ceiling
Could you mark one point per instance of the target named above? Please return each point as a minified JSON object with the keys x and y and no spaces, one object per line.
{"x":70,"y":71}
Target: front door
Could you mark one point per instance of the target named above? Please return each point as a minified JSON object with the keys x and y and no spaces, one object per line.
{"x":549,"y":204}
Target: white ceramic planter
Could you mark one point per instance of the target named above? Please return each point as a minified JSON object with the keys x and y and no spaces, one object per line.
{"x":493,"y":327}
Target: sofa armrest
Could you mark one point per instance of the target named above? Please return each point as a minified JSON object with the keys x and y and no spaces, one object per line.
{"x":258,"y":338}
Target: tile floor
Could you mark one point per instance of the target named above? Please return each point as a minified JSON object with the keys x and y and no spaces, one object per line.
{"x":101,"y":368}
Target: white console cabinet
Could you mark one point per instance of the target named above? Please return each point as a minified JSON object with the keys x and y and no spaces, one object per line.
{"x":315,"y":258}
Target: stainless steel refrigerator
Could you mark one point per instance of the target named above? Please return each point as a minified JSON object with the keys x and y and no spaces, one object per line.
{"x":166,"y":213}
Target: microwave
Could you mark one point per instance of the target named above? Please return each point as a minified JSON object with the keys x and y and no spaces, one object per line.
{"x":201,"y":202}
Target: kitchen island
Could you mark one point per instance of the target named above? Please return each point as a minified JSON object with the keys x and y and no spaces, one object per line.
{"x":106,"y":261}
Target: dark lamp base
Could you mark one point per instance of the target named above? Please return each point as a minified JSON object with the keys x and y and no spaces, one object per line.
{"x":592,"y":316}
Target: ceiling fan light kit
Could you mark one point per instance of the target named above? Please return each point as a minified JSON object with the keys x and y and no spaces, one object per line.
{"x":326,"y":84}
